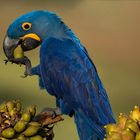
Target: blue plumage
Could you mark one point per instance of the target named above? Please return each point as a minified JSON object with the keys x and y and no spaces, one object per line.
{"x":67,"y":72}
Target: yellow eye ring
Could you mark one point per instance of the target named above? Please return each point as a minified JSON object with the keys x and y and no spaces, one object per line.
{"x":26,"y":26}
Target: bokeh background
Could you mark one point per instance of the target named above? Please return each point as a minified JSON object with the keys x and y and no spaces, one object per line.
{"x":110,"y":30}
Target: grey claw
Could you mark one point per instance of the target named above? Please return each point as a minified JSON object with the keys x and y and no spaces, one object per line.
{"x":49,"y":127}
{"x":6,"y":61}
{"x":26,"y":74}
{"x":23,"y":76}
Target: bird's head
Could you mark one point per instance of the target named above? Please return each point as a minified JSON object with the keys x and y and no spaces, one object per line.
{"x":29,"y":30}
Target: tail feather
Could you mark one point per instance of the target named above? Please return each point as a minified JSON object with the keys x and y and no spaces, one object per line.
{"x":87,"y":129}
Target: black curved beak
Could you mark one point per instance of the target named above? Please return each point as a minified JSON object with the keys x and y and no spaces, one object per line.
{"x":9,"y":46}
{"x":28,"y":43}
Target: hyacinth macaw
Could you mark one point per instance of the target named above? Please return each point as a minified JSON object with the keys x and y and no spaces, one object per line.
{"x":66,"y":71}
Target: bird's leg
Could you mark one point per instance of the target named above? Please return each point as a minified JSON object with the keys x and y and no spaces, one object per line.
{"x":28,"y":68}
{"x":36,"y":70}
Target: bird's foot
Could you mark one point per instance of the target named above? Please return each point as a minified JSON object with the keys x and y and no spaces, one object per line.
{"x":53,"y":112}
{"x":22,"y":61}
{"x":13,"y":61}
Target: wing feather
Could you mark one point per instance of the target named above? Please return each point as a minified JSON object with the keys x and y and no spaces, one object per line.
{"x":69,"y":73}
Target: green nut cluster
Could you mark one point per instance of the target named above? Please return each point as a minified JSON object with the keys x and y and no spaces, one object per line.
{"x":18,"y":124}
{"x":127,"y":127}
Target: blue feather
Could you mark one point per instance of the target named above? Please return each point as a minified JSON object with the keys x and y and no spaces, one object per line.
{"x":69,"y":74}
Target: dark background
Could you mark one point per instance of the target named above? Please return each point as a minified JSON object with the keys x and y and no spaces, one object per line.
{"x":110,"y":30}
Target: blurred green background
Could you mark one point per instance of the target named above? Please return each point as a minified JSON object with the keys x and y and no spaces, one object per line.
{"x":110,"y":30}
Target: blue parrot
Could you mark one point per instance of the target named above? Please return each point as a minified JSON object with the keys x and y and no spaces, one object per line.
{"x":66,"y":70}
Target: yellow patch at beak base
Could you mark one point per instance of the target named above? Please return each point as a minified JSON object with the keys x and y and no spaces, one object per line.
{"x":31,"y":35}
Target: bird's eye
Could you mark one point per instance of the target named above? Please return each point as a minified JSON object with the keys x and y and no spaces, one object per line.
{"x":26,"y":26}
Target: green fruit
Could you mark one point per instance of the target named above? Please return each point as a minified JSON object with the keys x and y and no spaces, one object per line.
{"x":18,"y":52}
{"x":31,"y":131}
{"x":36,"y":138}
{"x":138,"y":136}
{"x":10,"y":105}
{"x":22,"y":137}
{"x":35,"y":124}
{"x":3,"y":107}
{"x":20,"y":126}
{"x":26,"y":116}
{"x":8,"y":133}
{"x":18,"y":105}
{"x":32,"y":110}
{"x":13,"y":112}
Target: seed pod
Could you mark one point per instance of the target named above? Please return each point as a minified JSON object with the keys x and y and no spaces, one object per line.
{"x":13,"y":112}
{"x":114,"y":136}
{"x":18,"y":105}
{"x":10,"y":105}
{"x":16,"y":123}
{"x":32,"y":110}
{"x":122,"y":120}
{"x":22,"y":137}
{"x":35,"y":124}
{"x":31,"y":131}
{"x":135,"y":114}
{"x":138,"y":136}
{"x":36,"y":138}
{"x":7,"y":123}
{"x":20,"y":126}
{"x":112,"y":128}
{"x":131,"y":124}
{"x":127,"y":134}
{"x":3,"y":107}
{"x":8,"y":133}
{"x":18,"y":52}
{"x":26,"y":116}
